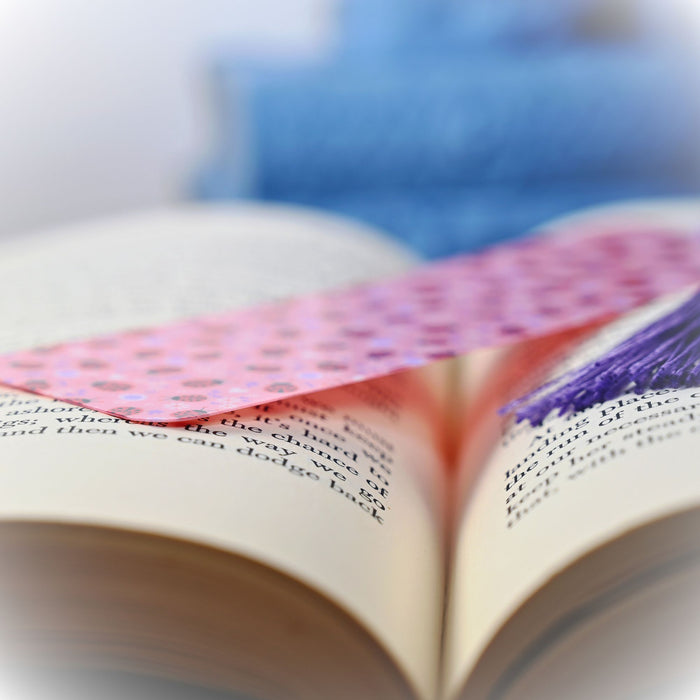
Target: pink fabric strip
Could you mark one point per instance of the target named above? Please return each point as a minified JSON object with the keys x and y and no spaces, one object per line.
{"x":214,"y":364}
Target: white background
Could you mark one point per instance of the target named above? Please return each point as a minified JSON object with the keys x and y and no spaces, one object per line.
{"x":104,"y":104}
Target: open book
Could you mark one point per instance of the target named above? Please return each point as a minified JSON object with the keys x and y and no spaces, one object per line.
{"x":389,"y":539}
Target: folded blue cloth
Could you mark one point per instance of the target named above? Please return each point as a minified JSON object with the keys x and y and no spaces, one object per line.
{"x":584,"y":113}
{"x":458,"y":123}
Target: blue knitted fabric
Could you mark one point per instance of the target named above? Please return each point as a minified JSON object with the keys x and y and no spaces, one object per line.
{"x":585,"y":113}
{"x":456,"y":123}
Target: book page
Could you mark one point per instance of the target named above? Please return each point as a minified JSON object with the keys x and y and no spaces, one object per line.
{"x":134,"y":271}
{"x":342,"y":490}
{"x":547,"y":495}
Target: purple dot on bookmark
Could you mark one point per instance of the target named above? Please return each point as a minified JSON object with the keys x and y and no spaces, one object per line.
{"x":103,"y":343}
{"x":93,"y":364}
{"x":548,"y":310}
{"x":36,"y":384}
{"x":126,"y":410}
{"x":332,"y":366}
{"x":288,"y":332}
{"x":46,"y":350}
{"x":206,"y":356}
{"x":276,"y":351}
{"x":441,"y":355}
{"x":145,"y":354}
{"x":194,"y":413}
{"x":380,"y":354}
{"x":23,"y":364}
{"x":281,"y":387}
{"x":201,"y":383}
{"x":111,"y":386}
{"x":358,"y":332}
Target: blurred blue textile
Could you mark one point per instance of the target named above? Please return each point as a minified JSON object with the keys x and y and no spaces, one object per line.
{"x":544,"y":116}
{"x":397,"y":27}
{"x":453,"y":125}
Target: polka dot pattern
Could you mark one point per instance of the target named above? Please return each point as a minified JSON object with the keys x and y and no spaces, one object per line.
{"x":214,"y":364}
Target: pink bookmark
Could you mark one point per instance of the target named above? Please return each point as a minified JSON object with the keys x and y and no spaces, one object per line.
{"x":214,"y":364}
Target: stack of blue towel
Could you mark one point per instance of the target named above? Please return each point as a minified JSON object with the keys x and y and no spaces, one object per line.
{"x":456,"y":123}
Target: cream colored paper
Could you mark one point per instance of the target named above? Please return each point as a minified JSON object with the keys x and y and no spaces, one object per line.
{"x":342,"y":491}
{"x":548,"y":495}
